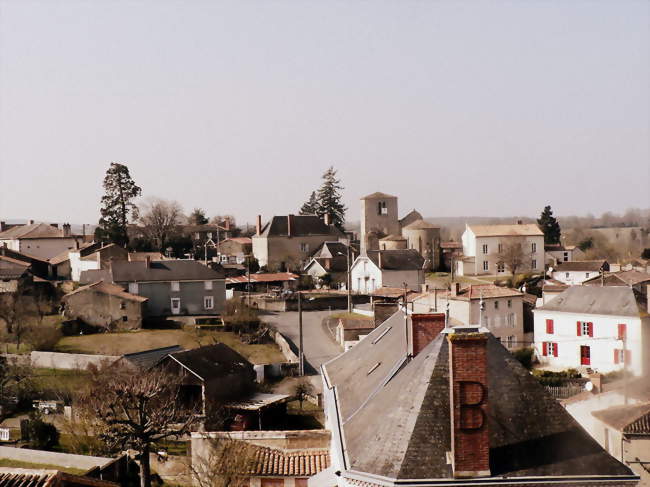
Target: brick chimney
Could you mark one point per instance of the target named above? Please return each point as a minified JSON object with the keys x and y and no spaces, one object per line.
{"x":379,"y":259}
{"x":455,"y":289}
{"x":147,"y":261}
{"x":31,"y":222}
{"x":3,"y":226}
{"x":327,"y":219}
{"x":258,"y":225}
{"x":383,"y":311}
{"x":425,"y":327}
{"x":289,"y":225}
{"x":66,"y":230}
{"x":468,"y":396}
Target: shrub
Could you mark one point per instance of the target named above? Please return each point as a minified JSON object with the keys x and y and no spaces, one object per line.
{"x":44,"y":337}
{"x":525,"y":356}
{"x":548,"y":378}
{"x":41,"y":435}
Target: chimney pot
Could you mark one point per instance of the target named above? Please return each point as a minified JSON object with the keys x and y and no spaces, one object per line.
{"x":326,"y":219}
{"x":258,"y":225}
{"x":425,"y":327}
{"x":468,"y":393}
{"x":519,"y":222}
{"x":66,"y":230}
{"x":31,"y":222}
{"x":3,"y":226}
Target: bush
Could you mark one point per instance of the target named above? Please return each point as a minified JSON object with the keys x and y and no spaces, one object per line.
{"x":237,"y":316}
{"x":44,"y":337}
{"x":41,"y":435}
{"x":548,"y":378}
{"x":525,"y":356}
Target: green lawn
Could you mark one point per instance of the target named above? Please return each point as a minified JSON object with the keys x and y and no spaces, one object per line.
{"x":5,"y":462}
{"x":140,"y":340}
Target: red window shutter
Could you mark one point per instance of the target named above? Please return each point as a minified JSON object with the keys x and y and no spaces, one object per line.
{"x":616,"y":354}
{"x":544,"y":349}
{"x":549,"y":327}
{"x":555,"y":350}
{"x":628,"y":357}
{"x":579,"y":328}
{"x":621,"y":331}
{"x":591,"y":329}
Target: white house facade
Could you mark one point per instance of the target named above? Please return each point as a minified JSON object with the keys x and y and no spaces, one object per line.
{"x":387,"y":268}
{"x":577,"y":272}
{"x":604,"y":329}
{"x":483,"y":247}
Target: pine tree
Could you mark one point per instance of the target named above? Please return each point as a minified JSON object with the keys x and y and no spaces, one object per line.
{"x":117,"y":204}
{"x":311,"y":207}
{"x":549,"y":226}
{"x":197,"y":217}
{"x":329,"y":198}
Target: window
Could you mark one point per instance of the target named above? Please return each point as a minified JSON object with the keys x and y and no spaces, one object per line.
{"x":622,"y":356}
{"x":511,"y":320}
{"x":500,"y":247}
{"x":533,"y":264}
{"x":122,"y":305}
{"x":125,"y":318}
{"x":622,"y":331}
{"x":485,"y":248}
{"x":133,"y":287}
{"x":496,"y":304}
{"x":208,"y":302}
{"x":382,"y":208}
{"x":566,"y":274}
{"x":485,"y":265}
{"x":176,"y":286}
{"x":549,"y":327}
{"x":585,"y":328}
{"x":549,"y":348}
{"x":501,"y":267}
{"x":510,"y":303}
{"x":304,"y":247}
{"x":566,"y":256}
{"x":208,"y":285}
{"x":510,"y":341}
{"x":586,"y":275}
{"x":534,"y":247}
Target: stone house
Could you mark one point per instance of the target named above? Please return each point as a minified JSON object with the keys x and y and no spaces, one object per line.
{"x":13,"y":274}
{"x":286,"y":242}
{"x":558,"y":253}
{"x":387,"y":268}
{"x":577,"y":272}
{"x":331,"y":258}
{"x":40,"y":240}
{"x":173,"y":287}
{"x":105,"y":305}
{"x":234,"y":250}
{"x":484,"y":247}
{"x":69,"y":264}
{"x":350,"y":330}
{"x":450,"y":406}
{"x":502,"y":314}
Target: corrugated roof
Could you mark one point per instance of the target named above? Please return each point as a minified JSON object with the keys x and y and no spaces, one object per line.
{"x":595,"y":300}
{"x":22,"y":477}
{"x":526,"y":229}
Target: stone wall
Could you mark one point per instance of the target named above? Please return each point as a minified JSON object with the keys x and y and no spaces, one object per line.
{"x":81,"y":462}
{"x":69,"y":361}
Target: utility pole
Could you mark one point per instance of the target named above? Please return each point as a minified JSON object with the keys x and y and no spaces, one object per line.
{"x":625,"y":376}
{"x":301,"y":355}
{"x":406,"y":321}
{"x":248,"y":260}
{"x":349,"y":283}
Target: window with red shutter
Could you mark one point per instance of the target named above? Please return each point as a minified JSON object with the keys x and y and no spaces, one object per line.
{"x":628,"y":357}
{"x":544,"y":349}
{"x":579,"y":328}
{"x":622,"y":331}
{"x":549,"y":327}
{"x":616,"y":355}
{"x":555,"y":350}
{"x":591,"y":329}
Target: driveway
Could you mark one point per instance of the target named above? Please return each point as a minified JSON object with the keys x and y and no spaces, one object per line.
{"x":319,"y":344}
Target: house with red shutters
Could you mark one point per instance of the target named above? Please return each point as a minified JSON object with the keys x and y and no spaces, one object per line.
{"x":604,"y":329}
{"x":420,"y":404}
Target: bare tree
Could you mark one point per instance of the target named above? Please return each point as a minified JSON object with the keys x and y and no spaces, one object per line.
{"x":22,"y":311}
{"x":160,"y":219}
{"x":14,"y":379}
{"x":302,"y":390}
{"x":136,"y":410}
{"x":223,"y":462}
{"x":512,"y":254}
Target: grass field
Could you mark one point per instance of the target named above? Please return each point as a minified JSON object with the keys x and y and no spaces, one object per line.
{"x":137,"y":341}
{"x":5,"y":462}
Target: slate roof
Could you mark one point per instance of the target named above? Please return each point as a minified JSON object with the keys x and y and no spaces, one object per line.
{"x":331,"y":250}
{"x":581,"y":265}
{"x":301,"y":226}
{"x":596,"y":300}
{"x":108,"y":289}
{"x":337,"y":264}
{"x":410,"y":217}
{"x":630,"y":419}
{"x":622,"y":278}
{"x":12,"y":268}
{"x":395,"y":414}
{"x":475,"y":291}
{"x":378,"y":194}
{"x":397,"y":260}
{"x":211,"y":361}
{"x":37,"y":230}
{"x":148,"y":358}
{"x":527,"y":229}
{"x":420,"y":224}
{"x":263,"y":277}
{"x":166,"y":270}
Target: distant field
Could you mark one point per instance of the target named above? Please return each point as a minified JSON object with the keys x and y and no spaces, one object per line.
{"x":138,"y":341}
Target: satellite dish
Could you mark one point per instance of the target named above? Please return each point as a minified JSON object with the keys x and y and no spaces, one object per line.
{"x":589,"y":386}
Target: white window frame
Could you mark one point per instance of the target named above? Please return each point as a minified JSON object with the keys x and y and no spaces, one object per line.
{"x":584,"y":328}
{"x":485,"y":248}
{"x":534,"y":247}
{"x":207,"y":285}
{"x":175,"y":286}
{"x":486,"y":265}
{"x":304,"y":247}
{"x":208,"y":302}
{"x":511,"y":320}
{"x":134,"y":288}
{"x":533,"y":264}
{"x":510,"y":340}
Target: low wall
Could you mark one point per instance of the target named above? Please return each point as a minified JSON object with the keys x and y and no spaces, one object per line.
{"x":69,"y":361}
{"x":285,"y":348}
{"x":68,"y":460}
{"x":291,"y":440}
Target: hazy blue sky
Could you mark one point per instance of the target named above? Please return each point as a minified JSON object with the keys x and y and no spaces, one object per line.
{"x":459,"y":108}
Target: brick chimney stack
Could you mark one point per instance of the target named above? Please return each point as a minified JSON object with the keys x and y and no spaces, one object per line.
{"x":147,"y":261}
{"x":258,"y":225}
{"x":455,"y":288}
{"x":468,"y":399}
{"x":3,"y":226}
{"x":66,"y":230}
{"x":289,"y":225}
{"x":425,"y":327}
{"x":31,"y":222}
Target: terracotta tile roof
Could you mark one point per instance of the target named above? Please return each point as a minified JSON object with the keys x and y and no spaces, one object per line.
{"x":28,"y":477}
{"x":394,"y":238}
{"x":37,"y":230}
{"x":239,"y":240}
{"x":475,"y":291}
{"x":420,"y":224}
{"x":141,"y":256}
{"x":622,"y":278}
{"x":265,"y":277}
{"x":60,"y":258}
{"x":288,"y":463}
{"x":526,"y":229}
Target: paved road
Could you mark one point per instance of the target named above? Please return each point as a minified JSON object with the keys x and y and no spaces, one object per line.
{"x":319,"y":343}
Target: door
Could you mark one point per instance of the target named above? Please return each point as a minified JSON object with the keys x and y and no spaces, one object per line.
{"x":176,"y":306}
{"x":585,"y":355}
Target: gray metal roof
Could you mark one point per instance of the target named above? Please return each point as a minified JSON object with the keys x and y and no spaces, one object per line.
{"x":301,"y":226}
{"x":595,"y":300}
{"x":165,"y":270}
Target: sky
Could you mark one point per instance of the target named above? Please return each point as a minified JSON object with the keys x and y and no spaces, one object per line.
{"x":458,"y":108}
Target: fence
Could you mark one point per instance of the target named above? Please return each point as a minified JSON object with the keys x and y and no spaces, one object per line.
{"x":564,"y":392}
